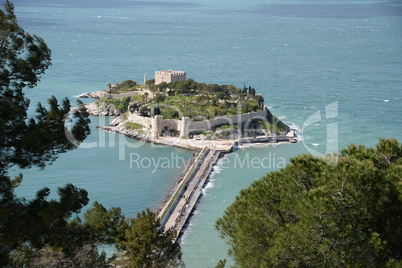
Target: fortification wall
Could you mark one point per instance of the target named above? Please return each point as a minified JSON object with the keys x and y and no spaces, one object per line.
{"x":194,"y":126}
{"x":186,"y":125}
{"x":145,"y":121}
{"x":172,"y":123}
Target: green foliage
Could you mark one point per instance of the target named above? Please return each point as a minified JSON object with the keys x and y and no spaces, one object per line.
{"x":128,"y":83}
{"x":104,"y":225}
{"x":221,"y":264}
{"x":225,"y":127}
{"x":272,"y":124}
{"x":159,"y":98}
{"x":150,"y":82}
{"x":276,"y":122}
{"x":198,"y":101}
{"x":170,"y":113}
{"x":30,"y":141}
{"x":42,"y":232}
{"x":162,"y":86}
{"x":319,"y":214}
{"x":23,"y":57}
{"x":125,"y":86}
{"x":38,"y":232}
{"x":86,"y":256}
{"x":144,"y":245}
{"x":123,"y":104}
{"x":205,"y":101}
{"x":119,"y":104}
{"x":133,"y":126}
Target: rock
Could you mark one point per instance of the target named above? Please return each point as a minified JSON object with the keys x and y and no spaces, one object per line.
{"x":102,"y":110}
{"x":145,"y":136}
{"x":117,"y":121}
{"x":97,"y":94}
{"x":84,"y":96}
{"x":92,"y":109}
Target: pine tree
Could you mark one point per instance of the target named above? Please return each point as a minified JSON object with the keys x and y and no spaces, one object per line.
{"x":42,"y":232}
{"x":27,"y":142}
{"x":145,"y":245}
{"x":344,"y":212}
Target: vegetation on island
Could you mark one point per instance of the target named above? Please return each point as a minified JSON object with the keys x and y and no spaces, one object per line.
{"x":198,"y":101}
{"x":201,"y":101}
{"x":133,"y":126}
{"x":45,"y":232}
{"x":123,"y":87}
{"x":119,"y":104}
{"x":343,"y":211}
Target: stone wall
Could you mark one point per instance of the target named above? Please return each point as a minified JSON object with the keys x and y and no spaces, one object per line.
{"x":145,"y":121}
{"x":194,"y":126}
{"x":187,"y":126}
{"x":172,"y":123}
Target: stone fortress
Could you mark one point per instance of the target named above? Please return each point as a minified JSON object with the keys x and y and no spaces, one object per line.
{"x":156,"y":127}
{"x":169,"y":76}
{"x":161,"y":127}
{"x":186,"y":126}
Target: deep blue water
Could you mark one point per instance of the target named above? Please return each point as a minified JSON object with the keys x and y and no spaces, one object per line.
{"x":325,"y":68}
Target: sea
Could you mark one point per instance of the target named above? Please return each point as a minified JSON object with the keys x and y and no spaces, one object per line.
{"x":332,"y":70}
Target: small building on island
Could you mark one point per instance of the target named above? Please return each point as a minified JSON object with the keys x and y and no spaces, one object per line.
{"x":169,"y":76}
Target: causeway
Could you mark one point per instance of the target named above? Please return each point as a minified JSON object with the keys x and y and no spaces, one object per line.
{"x":178,"y":209}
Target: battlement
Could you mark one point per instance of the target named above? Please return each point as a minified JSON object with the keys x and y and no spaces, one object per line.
{"x":169,"y":76}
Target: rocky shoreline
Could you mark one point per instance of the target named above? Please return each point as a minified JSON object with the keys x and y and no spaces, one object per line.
{"x":99,"y":110}
{"x":120,"y":125}
{"x":95,"y":95}
{"x":143,"y":136}
{"x":102,"y":110}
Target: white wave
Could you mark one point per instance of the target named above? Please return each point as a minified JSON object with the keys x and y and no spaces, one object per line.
{"x":77,"y":96}
{"x":260,"y":145}
{"x":386,"y":100}
{"x":188,"y":231}
{"x":293,"y":126}
{"x":209,"y":185}
{"x":297,"y":130}
{"x":122,"y":18}
{"x":216,"y":169}
{"x":315,"y":144}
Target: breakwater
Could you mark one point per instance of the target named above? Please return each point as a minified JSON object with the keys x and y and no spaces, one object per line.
{"x":178,"y":209}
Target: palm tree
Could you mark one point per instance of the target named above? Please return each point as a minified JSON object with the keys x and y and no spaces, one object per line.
{"x":145,"y":97}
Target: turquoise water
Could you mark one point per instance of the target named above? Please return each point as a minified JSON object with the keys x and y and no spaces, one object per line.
{"x":325,"y":68}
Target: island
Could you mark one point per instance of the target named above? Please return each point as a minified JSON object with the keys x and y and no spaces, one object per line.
{"x":188,"y":114}
{"x":174,"y":111}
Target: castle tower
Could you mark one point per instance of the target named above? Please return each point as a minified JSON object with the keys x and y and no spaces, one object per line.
{"x":145,"y":78}
{"x":185,"y":127}
{"x":157,"y":125}
{"x":169,"y":76}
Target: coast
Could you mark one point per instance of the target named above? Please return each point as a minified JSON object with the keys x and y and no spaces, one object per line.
{"x":181,"y":202}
